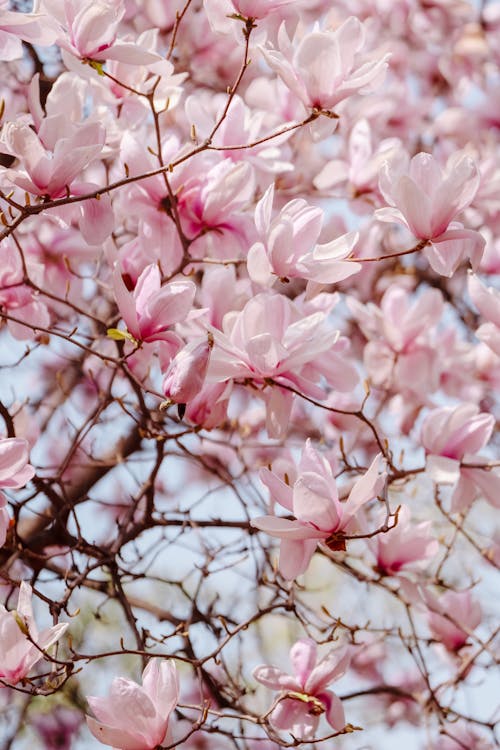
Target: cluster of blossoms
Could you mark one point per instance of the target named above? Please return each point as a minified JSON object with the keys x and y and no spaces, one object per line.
{"x":249,"y":292}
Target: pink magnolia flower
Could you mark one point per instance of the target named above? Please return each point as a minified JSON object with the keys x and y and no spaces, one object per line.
{"x":146,"y":203}
{"x":359,"y":172}
{"x":487,"y":301}
{"x":400,"y":353}
{"x":304,"y":697}
{"x":426,"y":199}
{"x":209,"y":203}
{"x":452,"y":437}
{"x":57,"y":727}
{"x":272,"y":338}
{"x":398,"y":708}
{"x":50,"y":172}
{"x":289,"y":245}
{"x":324,"y":67}
{"x":50,"y":164}
{"x":151,"y":308}
{"x":209,"y":407}
{"x":16,"y":298}
{"x":407,"y":545}
{"x":136,"y":717}
{"x":269,"y":338}
{"x":186,"y":373}
{"x":90,"y":30}
{"x":319,"y":514}
{"x":53,"y":154}
{"x":18,"y":652}
{"x":242,"y":124}
{"x":451,"y":617}
{"x":222,"y":291}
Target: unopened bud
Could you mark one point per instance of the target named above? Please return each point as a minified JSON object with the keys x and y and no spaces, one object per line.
{"x":187,"y":371}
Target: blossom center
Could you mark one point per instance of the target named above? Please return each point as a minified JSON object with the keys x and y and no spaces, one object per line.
{"x":316,"y":707}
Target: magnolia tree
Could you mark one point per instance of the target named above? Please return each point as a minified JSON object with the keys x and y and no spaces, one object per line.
{"x":250,"y":353}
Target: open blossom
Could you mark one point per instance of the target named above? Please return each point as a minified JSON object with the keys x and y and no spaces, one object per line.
{"x":16,"y":298}
{"x":18,"y":652}
{"x":52,"y":159}
{"x":54,"y":151}
{"x":242,"y":124}
{"x":400,"y":353}
{"x":57,"y":727}
{"x":359,"y":171}
{"x":407,"y":545}
{"x":210,"y":204}
{"x":324,"y":67}
{"x":452,"y":435}
{"x":90,"y":31}
{"x":304,"y":697}
{"x":289,"y":245}
{"x":151,"y":308}
{"x":425,"y":198}
{"x":487,"y":301}
{"x":51,"y":172}
{"x":452,"y":616}
{"x":320,"y":516}
{"x":136,"y":717}
{"x":271,"y":338}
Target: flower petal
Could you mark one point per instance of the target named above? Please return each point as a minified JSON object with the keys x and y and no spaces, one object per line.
{"x":295,"y":557}
{"x":303,"y":658}
{"x":332,"y":667}
{"x":283,"y":528}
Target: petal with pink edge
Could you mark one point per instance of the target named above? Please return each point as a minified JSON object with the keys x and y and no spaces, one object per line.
{"x":295,"y":557}
{"x":97,"y":220}
{"x":314,"y":502}
{"x":365,"y":489}
{"x":160,"y":682}
{"x":332,"y":667}
{"x":280,"y":492}
{"x":488,"y":482}
{"x":275,"y":678}
{"x":303,"y":658}
{"x":117,"y":738}
{"x":284,"y":528}
{"x":334,"y":711}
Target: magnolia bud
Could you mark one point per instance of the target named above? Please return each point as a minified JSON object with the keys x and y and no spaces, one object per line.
{"x":186,"y":373}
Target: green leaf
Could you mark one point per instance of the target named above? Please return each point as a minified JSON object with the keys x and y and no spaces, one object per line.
{"x":97,"y":66}
{"x":118,"y":335}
